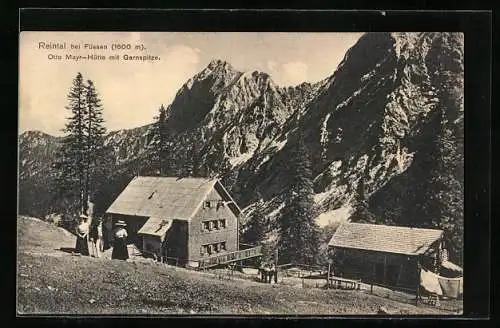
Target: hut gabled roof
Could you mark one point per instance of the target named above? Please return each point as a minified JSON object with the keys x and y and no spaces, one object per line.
{"x":383,"y":238}
{"x":165,"y":197}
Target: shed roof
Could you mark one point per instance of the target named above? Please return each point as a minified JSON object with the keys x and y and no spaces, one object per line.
{"x":162,"y":197}
{"x":155,"y":227}
{"x":383,"y":238}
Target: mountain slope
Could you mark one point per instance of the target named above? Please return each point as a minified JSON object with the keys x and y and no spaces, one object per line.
{"x":386,"y":128}
{"x":52,"y":281}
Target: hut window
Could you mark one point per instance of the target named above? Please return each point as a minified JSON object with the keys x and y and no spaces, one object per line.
{"x":207,"y":250}
{"x":223,"y":246}
{"x":206,"y":225}
{"x":216,"y":248}
{"x":210,"y":225}
{"x":207,"y":204}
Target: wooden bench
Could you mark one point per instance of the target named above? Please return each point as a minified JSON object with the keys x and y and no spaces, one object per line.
{"x":349,"y":283}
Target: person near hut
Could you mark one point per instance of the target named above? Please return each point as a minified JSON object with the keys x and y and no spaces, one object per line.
{"x":267,"y":274}
{"x":274,"y":274}
{"x":262,"y":270}
{"x":120,"y":251}
{"x":82,"y":232}
{"x":100,"y":236}
{"x":96,"y":237}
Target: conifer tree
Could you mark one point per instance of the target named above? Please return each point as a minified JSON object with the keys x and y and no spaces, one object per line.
{"x":447,"y":193}
{"x":94,"y":150}
{"x":362,"y":212}
{"x":189,"y":166}
{"x":82,"y":160}
{"x":229,"y":175}
{"x":70,"y":165}
{"x":256,"y":228}
{"x":299,"y":233}
{"x":159,"y":144}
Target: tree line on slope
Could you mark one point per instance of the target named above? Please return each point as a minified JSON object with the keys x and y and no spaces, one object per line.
{"x":82,"y":164}
{"x":82,"y":172}
{"x":299,"y":234}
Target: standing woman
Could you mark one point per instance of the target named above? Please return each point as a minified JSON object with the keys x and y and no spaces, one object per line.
{"x":274,"y":274}
{"x":100,"y":237}
{"x":120,"y":251}
{"x":82,"y":231}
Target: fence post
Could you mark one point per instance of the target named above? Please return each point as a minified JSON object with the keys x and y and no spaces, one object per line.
{"x":328,"y":277}
{"x":418,"y":282}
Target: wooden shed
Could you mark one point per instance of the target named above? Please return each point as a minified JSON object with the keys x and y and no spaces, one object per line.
{"x":184,"y":218}
{"x":154,"y":234}
{"x":386,"y":255}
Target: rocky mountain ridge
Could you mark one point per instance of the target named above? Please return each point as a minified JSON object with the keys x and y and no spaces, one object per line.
{"x":389,"y":120}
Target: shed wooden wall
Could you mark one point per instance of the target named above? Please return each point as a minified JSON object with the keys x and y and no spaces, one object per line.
{"x":369,"y":266}
{"x":152,"y":244}
{"x":175,"y":245}
{"x":197,"y":237}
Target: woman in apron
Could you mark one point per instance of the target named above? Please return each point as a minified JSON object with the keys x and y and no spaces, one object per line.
{"x":82,"y":231}
{"x":120,"y":251}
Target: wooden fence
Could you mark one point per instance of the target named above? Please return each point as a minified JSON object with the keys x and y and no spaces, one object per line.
{"x":229,"y":257}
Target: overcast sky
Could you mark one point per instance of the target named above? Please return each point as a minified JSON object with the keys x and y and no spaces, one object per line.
{"x":131,"y":92}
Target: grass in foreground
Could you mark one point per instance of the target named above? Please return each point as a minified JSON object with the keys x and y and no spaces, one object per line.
{"x":52,"y":281}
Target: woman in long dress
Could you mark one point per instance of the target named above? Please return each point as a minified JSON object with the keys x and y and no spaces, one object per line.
{"x":120,"y":251}
{"x":82,"y":230}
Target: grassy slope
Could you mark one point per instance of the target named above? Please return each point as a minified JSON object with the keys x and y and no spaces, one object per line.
{"x":53,"y":281}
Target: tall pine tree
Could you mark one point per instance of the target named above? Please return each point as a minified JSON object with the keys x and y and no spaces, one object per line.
{"x":82,"y":158}
{"x":299,"y":232}
{"x":362,"y":212}
{"x":70,"y":166}
{"x":95,"y":152}
{"x":159,"y":144}
{"x":189,"y":166}
{"x":256,"y":226}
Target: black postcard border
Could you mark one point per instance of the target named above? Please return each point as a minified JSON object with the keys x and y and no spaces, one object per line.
{"x":477,"y":26}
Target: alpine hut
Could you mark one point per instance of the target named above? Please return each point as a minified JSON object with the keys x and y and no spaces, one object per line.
{"x":184,"y":218}
{"x":391,"y":256}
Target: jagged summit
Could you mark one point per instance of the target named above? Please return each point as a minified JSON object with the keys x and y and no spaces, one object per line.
{"x":218,"y":63}
{"x":217,"y":67}
{"x":35,"y":133}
